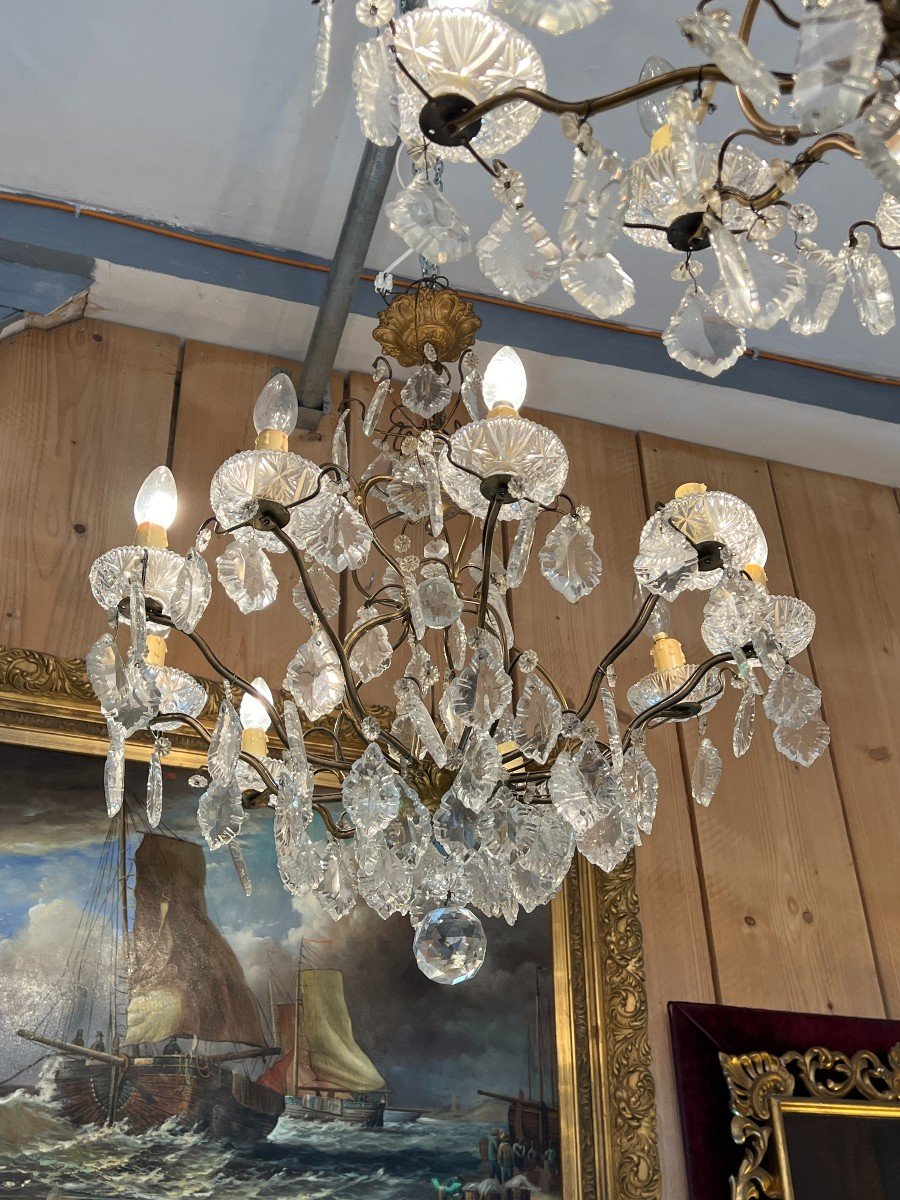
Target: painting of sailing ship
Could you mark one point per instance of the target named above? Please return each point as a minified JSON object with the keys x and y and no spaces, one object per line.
{"x":164,"y":1033}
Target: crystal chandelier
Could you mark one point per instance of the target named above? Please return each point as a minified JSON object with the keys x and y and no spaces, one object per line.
{"x":477,"y":789}
{"x":454,"y":80}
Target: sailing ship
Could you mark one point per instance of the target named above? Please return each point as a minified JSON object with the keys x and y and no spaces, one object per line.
{"x":534,"y":1119}
{"x":181,"y":980}
{"x":323,"y":1074}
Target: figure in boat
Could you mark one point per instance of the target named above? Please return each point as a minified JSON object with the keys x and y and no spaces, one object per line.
{"x":323,"y":1074}
{"x":185,"y":982}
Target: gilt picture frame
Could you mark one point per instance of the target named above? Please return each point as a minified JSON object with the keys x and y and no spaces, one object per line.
{"x":607,"y":1104}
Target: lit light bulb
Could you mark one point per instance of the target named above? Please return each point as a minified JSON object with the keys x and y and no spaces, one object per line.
{"x":276,"y":407}
{"x":157,"y":500}
{"x":505,"y":381}
{"x":253,"y":712}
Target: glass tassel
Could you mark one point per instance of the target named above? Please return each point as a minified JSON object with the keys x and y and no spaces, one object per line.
{"x":340,"y":454}
{"x":237,"y":857}
{"x":611,"y":717}
{"x":323,"y":50}
{"x":114,"y":771}
{"x":154,"y":790}
{"x":376,"y":404}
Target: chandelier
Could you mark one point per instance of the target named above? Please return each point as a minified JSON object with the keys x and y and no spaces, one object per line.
{"x":453,"y":79}
{"x":478,"y":788}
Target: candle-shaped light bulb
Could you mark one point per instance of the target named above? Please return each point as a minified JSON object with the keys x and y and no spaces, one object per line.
{"x":253,"y":712}
{"x":505,"y":383}
{"x":653,"y":110}
{"x":276,"y":407}
{"x":155,"y":507}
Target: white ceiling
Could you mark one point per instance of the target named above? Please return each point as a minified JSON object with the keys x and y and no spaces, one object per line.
{"x":197,"y":113}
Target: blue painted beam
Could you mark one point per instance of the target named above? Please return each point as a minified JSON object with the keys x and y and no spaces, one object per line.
{"x":36,"y":279}
{"x":302,"y":279}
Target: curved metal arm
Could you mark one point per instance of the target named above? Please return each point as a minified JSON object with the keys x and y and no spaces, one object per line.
{"x":627,"y":638}
{"x":659,"y":709}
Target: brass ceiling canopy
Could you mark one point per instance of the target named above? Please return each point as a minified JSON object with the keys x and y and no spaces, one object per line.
{"x":429,"y":313}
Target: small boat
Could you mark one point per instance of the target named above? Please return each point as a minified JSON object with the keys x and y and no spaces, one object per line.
{"x":403,"y":1116}
{"x":185,"y":982}
{"x":330,"y":1078}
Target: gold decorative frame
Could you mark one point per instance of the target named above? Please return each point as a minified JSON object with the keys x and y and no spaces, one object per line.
{"x":607,"y":1094}
{"x":761,"y":1084}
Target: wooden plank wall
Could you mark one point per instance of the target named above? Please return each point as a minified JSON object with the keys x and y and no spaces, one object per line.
{"x":785,"y":893}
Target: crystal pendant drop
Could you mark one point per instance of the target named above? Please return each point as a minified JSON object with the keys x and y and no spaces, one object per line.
{"x":598,"y":284}
{"x":191,"y":594}
{"x":780,"y":284}
{"x":594,"y":207}
{"x":737,"y":279}
{"x":450,"y":945}
{"x":375,"y":91}
{"x":154,"y":790}
{"x":887,"y":218}
{"x":336,"y":889}
{"x":480,"y":772}
{"x":220,"y":814}
{"x":569,"y":561}
{"x":517,"y":255}
{"x":225,"y":744}
{"x":479,"y":695}
{"x":425,"y":393}
{"x":323,"y":50}
{"x":429,"y":224}
{"x":837,"y":50}
{"x":376,"y":404}
{"x":613,"y":735}
{"x":370,"y":791}
{"x":877,"y":135}
{"x":707,"y":773}
{"x":538,"y":720}
{"x":326,"y":592}
{"x":803,"y":745}
{"x":517,"y":564}
{"x":826,"y":275}
{"x":114,"y":770}
{"x":709,"y":31}
{"x":792,"y":699}
{"x":314,"y":677}
{"x":744,"y":720}
{"x":870,"y":287}
{"x":371,"y":655}
{"x":336,"y":535}
{"x":700,"y":339}
{"x":684,"y":148}
{"x":441,"y":605}
{"x":246,"y":576}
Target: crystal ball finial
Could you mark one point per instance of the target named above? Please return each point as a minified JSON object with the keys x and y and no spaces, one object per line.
{"x":450,"y":945}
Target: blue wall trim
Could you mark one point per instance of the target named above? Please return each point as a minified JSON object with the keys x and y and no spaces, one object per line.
{"x":528,"y":330}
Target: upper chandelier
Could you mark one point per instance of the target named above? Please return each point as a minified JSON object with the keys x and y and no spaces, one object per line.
{"x":478,"y":788}
{"x":454,"y":80}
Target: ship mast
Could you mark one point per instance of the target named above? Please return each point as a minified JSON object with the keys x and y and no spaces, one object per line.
{"x":298,"y":1018}
{"x":539,"y":1033}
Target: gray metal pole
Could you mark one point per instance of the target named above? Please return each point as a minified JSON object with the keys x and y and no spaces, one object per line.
{"x":366,"y":199}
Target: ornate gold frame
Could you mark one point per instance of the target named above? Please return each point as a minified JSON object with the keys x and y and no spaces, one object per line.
{"x":607,"y":1093}
{"x":760,"y":1085}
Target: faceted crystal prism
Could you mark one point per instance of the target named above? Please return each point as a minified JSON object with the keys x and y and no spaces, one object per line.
{"x":709,"y":30}
{"x":481,"y":771}
{"x":684,"y":147}
{"x":837,"y":52}
{"x":826,"y":275}
{"x":429,"y":224}
{"x":370,"y":791}
{"x":246,"y":576}
{"x":225,"y":744}
{"x":598,"y":284}
{"x":569,"y":561}
{"x":336,"y":890}
{"x":473,"y":54}
{"x":517,"y":255}
{"x":441,"y":605}
{"x":870,"y":287}
{"x":114,"y":770}
{"x":482,"y":691}
{"x":450,"y":945}
{"x":509,"y":446}
{"x":371,"y":655}
{"x":700,"y":339}
{"x":154,"y":791}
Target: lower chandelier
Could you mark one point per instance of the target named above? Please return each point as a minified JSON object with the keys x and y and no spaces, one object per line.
{"x":476,"y":791}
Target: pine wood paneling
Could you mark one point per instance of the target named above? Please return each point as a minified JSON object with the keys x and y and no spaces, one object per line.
{"x":785,"y":912}
{"x":843,"y":537}
{"x":87,"y":410}
{"x":570,"y":640}
{"x":215,"y":420}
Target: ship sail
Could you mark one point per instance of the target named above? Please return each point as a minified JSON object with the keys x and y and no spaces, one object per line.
{"x":280,"y":1075}
{"x":186,"y":979}
{"x":333,"y":1052}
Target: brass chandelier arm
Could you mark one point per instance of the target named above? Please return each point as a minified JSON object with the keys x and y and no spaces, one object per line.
{"x":810,"y":156}
{"x":787,"y":135}
{"x":627,"y":638}
{"x":487,"y":546}
{"x":705,"y":73}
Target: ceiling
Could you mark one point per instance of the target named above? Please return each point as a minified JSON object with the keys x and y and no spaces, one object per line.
{"x":198,"y":115}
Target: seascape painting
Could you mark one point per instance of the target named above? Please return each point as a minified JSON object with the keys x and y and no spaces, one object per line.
{"x":237,"y":1045}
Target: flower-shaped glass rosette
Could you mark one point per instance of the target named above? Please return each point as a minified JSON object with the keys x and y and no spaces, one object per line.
{"x":529,"y":453}
{"x":657,"y":199}
{"x":467,"y":53}
{"x":554,"y":16}
{"x":667,"y":561}
{"x":261,"y":474}
{"x":656,"y":686}
{"x":112,"y":572}
{"x":178,"y":693}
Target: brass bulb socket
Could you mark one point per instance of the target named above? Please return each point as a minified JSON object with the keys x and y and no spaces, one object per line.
{"x":503,"y":410}
{"x":757,"y":573}
{"x":661,"y":139}
{"x":666,"y":652}
{"x":690,"y":489}
{"x":255,"y":742}
{"x":272,"y":439}
{"x":156,"y":650}
{"x":148,"y":534}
